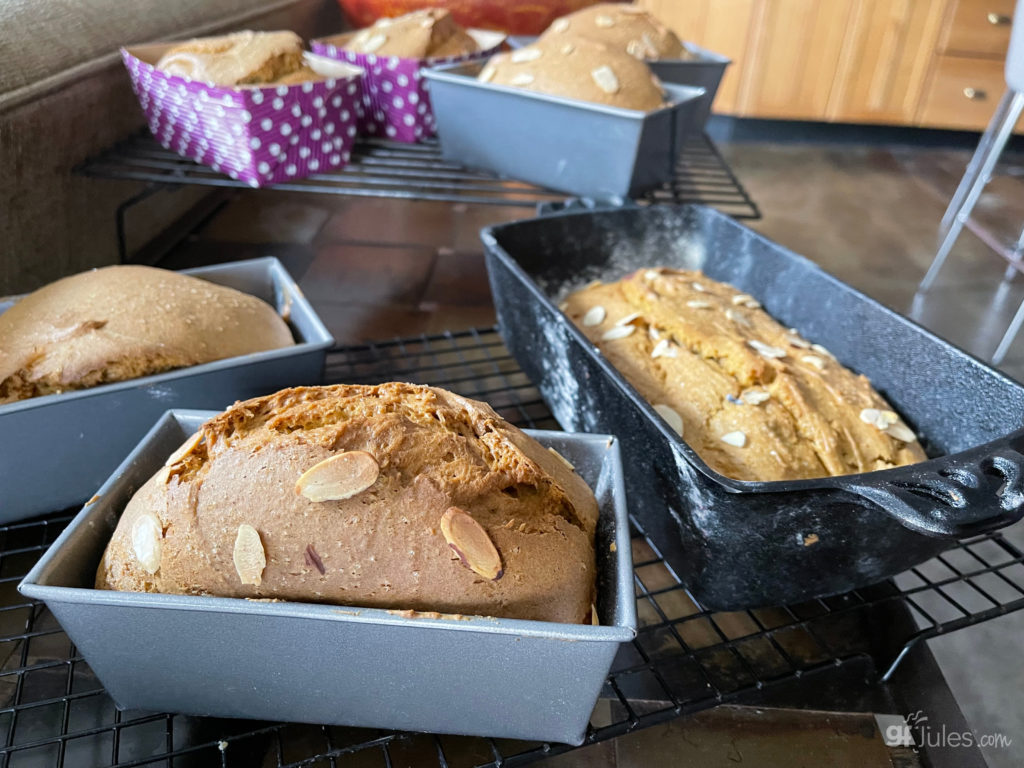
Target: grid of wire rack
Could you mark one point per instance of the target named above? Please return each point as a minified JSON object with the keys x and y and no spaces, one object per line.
{"x":381,"y":168}
{"x":54,"y":712}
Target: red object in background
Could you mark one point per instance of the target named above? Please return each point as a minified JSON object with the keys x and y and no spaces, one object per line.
{"x":516,"y":17}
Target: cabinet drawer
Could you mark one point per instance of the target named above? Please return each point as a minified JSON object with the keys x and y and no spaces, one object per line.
{"x":979,"y":27}
{"x":963,"y":93}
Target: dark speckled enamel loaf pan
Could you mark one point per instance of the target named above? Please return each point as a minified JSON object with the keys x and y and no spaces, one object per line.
{"x":55,"y":451}
{"x":299,"y":662}
{"x":744,"y":544}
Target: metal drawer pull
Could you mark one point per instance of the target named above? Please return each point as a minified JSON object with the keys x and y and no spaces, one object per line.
{"x":999,"y":19}
{"x":975,"y":94}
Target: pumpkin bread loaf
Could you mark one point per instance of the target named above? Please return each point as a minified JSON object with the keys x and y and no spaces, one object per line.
{"x":123,"y":322}
{"x":393,"y":496}
{"x":623,"y":27}
{"x":756,"y":401}
{"x":241,"y":58}
{"x":578,"y":68}
{"x":426,"y":34}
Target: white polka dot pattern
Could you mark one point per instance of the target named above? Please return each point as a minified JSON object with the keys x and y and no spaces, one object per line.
{"x":257,"y":135}
{"x":394,"y":101}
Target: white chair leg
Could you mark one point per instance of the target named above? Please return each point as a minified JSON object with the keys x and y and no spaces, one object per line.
{"x":1011,"y":333}
{"x":999,"y":139}
{"x":977,"y":160}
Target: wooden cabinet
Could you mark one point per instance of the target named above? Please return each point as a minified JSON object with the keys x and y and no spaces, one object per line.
{"x":722,"y":26}
{"x":978,"y":28}
{"x":933,"y":63}
{"x":794,"y":58}
{"x":963,"y":92}
{"x":966,"y":78}
{"x":884,"y":60}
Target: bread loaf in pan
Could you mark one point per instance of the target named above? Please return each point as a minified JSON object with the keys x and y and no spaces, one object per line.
{"x":240,"y":58}
{"x":423,"y":34}
{"x":578,"y":68}
{"x":124,"y":322}
{"x":756,"y":400}
{"x":624,"y":27}
{"x":392,"y":496}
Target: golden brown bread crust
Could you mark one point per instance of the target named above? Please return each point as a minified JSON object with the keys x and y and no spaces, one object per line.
{"x":383,"y":547}
{"x":623,"y":27}
{"x":123,"y":322}
{"x":578,"y":69}
{"x":786,"y":408}
{"x":425,"y":34}
{"x":241,"y":58}
{"x":302,"y":75}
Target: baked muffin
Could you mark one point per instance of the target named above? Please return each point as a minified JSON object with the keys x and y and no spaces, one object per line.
{"x":753,"y":399}
{"x":578,"y":68}
{"x":426,"y":34}
{"x":393,"y":496}
{"x":123,"y":322}
{"x":241,"y":58}
{"x":623,"y":27}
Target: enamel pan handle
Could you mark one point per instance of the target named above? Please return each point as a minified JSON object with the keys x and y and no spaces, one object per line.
{"x":971,"y":494}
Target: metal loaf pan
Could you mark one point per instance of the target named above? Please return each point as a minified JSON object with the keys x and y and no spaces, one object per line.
{"x":56,"y":450}
{"x":704,"y":71}
{"x":581,"y":148}
{"x":745,"y":544}
{"x":299,"y":662}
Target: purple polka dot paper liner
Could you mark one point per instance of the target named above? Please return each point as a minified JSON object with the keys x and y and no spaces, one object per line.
{"x":259,"y":135}
{"x":395,"y":101}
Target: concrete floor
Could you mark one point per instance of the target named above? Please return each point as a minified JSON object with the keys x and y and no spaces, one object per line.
{"x":375,"y":269}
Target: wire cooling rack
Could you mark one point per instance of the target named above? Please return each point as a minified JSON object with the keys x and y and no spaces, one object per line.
{"x":381,"y":168}
{"x":54,"y":712}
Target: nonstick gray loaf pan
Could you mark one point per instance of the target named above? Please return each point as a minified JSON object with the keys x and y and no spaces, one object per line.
{"x":569,"y":145}
{"x":704,"y":70}
{"x":746,"y":544}
{"x":56,"y":450}
{"x":328,"y":664}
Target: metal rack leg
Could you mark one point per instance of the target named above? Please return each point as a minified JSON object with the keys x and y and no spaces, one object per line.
{"x":974,"y":166}
{"x":122,"y":241}
{"x":1000,"y":137}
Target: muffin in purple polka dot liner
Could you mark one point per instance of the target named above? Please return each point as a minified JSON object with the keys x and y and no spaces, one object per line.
{"x":395,"y":101}
{"x":261,"y":135}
